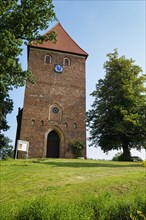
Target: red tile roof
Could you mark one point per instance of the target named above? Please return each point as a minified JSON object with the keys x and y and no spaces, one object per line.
{"x":64,"y":42}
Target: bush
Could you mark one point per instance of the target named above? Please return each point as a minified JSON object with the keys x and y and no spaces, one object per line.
{"x":120,"y":157}
{"x":76,"y":147}
{"x":136,"y":159}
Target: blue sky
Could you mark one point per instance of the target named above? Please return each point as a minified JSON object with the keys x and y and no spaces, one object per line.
{"x":97,"y":27}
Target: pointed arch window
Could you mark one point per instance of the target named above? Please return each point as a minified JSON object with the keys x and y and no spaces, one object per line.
{"x":66,"y":61}
{"x":48,"y":59}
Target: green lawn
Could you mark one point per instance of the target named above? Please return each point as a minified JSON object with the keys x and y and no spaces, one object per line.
{"x":67,"y":181}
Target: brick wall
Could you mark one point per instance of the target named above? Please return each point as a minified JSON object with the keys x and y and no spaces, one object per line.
{"x":65,"y":90}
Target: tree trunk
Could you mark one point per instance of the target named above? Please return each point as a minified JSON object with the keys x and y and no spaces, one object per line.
{"x":126,"y":156}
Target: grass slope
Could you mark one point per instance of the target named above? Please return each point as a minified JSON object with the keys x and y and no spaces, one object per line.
{"x":73,"y":183}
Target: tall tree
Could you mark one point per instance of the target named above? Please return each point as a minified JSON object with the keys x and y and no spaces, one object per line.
{"x":6,"y":106}
{"x":20,"y":22}
{"x":117,"y":119}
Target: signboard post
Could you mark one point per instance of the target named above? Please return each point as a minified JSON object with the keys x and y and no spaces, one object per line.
{"x":22,"y":146}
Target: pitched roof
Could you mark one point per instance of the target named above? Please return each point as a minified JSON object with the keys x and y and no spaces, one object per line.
{"x":64,"y":42}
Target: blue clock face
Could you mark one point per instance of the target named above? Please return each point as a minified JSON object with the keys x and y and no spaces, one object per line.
{"x":58,"y":68}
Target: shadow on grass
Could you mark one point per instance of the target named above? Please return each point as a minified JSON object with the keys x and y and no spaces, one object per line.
{"x":87,"y":163}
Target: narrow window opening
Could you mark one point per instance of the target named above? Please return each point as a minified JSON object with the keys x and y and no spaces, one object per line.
{"x":47,"y":59}
{"x":66,"y":61}
{"x":32,"y":122}
{"x":65,"y":125}
{"x":42,"y":122}
{"x":75,"y":125}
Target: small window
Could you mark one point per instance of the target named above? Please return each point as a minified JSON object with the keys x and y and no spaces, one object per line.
{"x":66,"y":61}
{"x":42,"y":123}
{"x":75,"y":125}
{"x":32,"y":122}
{"x":47,"y":59}
{"x":65,"y":125}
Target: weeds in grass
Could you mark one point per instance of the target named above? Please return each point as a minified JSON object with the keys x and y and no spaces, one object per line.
{"x":106,"y":206}
{"x":139,"y":215}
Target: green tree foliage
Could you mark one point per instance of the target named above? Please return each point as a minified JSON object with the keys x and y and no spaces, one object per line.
{"x":20,"y":22}
{"x":6,"y":150}
{"x":6,"y":106}
{"x":117,"y":119}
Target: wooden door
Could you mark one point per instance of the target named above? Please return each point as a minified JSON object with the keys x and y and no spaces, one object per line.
{"x":53,"y":143}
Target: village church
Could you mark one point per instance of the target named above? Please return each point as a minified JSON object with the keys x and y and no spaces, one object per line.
{"x":54,"y":111}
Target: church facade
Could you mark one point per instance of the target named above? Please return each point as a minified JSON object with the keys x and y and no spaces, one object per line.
{"x":54,"y":106}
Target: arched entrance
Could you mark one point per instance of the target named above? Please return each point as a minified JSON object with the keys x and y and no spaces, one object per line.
{"x":53,"y":143}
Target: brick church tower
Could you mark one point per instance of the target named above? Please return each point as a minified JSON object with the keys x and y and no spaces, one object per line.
{"x":54,"y":106}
